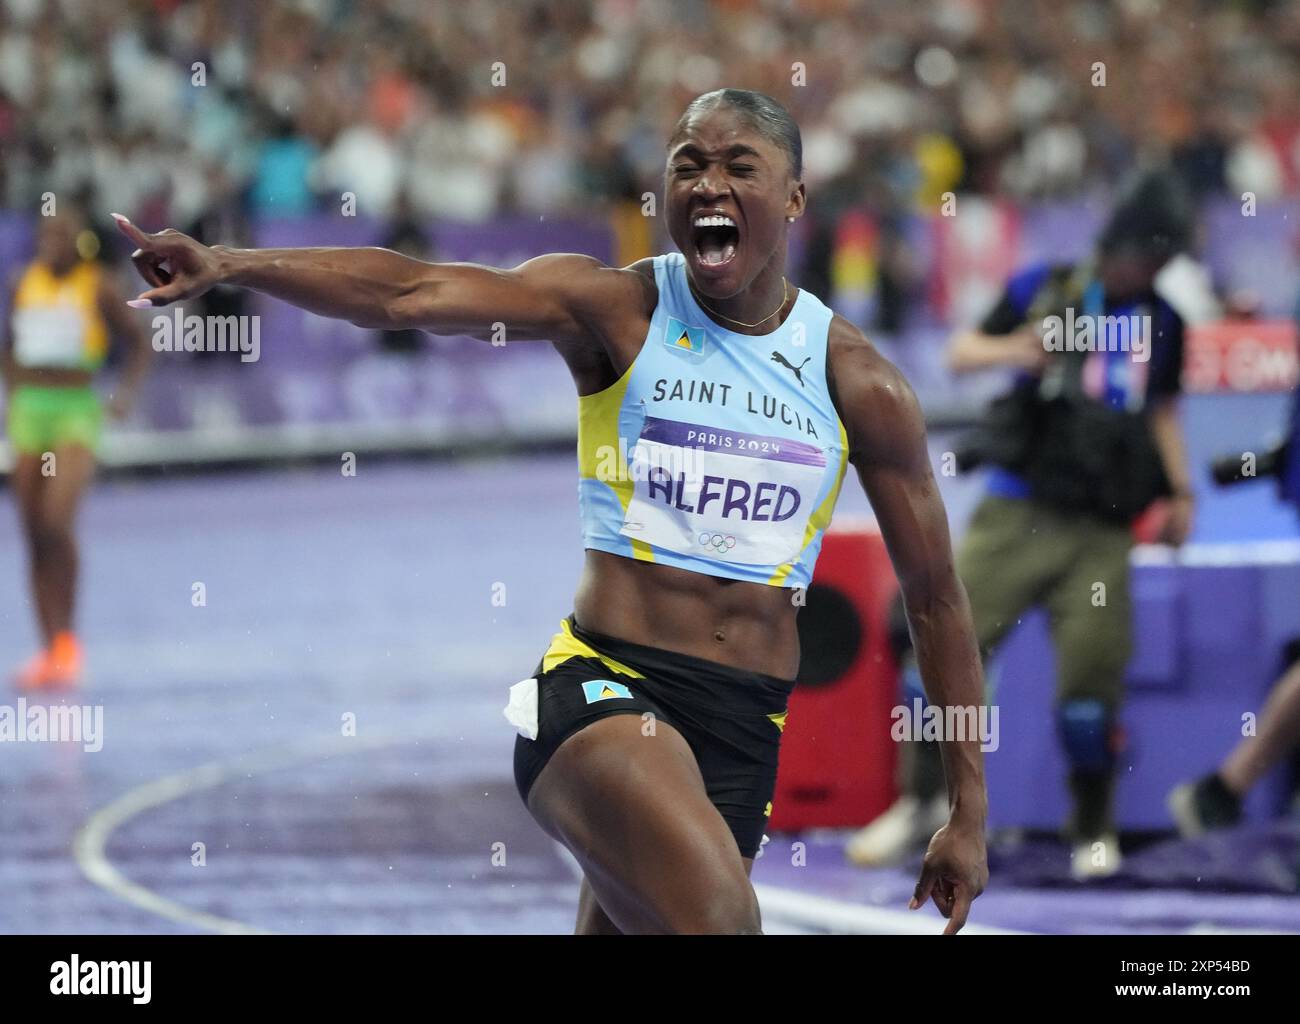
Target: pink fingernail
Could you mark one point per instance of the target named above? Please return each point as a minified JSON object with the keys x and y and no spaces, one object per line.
{"x":139,"y":303}
{"x":119,"y":218}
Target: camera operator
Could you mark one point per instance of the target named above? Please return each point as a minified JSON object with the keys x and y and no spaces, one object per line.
{"x":1087,"y":439}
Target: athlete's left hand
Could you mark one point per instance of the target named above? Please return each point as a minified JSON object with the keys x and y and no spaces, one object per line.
{"x":954,"y":872}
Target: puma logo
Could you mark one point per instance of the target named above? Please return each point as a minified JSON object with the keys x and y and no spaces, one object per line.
{"x":778,"y":358}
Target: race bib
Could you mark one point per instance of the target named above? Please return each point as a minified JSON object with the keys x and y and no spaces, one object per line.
{"x":722,"y":494}
{"x":49,"y":336}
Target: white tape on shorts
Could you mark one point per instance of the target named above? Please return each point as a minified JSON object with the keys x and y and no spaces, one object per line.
{"x":521,"y":712}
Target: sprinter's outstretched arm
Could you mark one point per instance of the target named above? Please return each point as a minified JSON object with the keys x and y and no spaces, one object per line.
{"x":563,"y":298}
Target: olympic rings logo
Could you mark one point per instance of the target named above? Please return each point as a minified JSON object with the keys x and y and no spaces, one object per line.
{"x":717,"y":541}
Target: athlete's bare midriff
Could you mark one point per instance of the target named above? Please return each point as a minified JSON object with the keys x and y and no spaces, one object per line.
{"x":50,"y":377}
{"x":745,"y":625}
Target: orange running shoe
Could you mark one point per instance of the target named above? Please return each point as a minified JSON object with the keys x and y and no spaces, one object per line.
{"x":34,"y":674}
{"x":64,"y":660}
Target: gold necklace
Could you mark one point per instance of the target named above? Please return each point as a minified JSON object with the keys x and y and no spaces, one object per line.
{"x":785,"y":290}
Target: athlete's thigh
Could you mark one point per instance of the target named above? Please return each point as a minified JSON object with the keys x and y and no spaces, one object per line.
{"x":633,"y":810}
{"x":592,"y":919}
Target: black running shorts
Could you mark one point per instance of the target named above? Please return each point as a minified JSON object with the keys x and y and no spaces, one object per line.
{"x":731,"y":719}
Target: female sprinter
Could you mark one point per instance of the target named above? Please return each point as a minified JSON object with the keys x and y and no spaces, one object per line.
{"x":62,"y":313}
{"x":649,"y":739}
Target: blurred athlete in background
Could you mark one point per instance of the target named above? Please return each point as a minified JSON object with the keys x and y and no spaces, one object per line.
{"x":64,"y":311}
{"x":649,"y":738}
{"x":1214,"y":800}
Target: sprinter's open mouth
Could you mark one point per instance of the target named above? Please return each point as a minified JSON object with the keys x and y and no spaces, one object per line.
{"x":716,"y":237}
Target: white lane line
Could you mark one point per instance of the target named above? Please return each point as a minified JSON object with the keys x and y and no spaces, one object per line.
{"x":840,"y":917}
{"x":825,"y":915}
{"x":90,"y":844}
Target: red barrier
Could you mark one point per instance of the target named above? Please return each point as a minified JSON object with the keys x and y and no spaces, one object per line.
{"x":837,"y":758}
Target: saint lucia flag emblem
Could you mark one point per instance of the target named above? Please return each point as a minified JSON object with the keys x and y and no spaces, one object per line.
{"x":680,"y":335}
{"x":604,"y":689}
